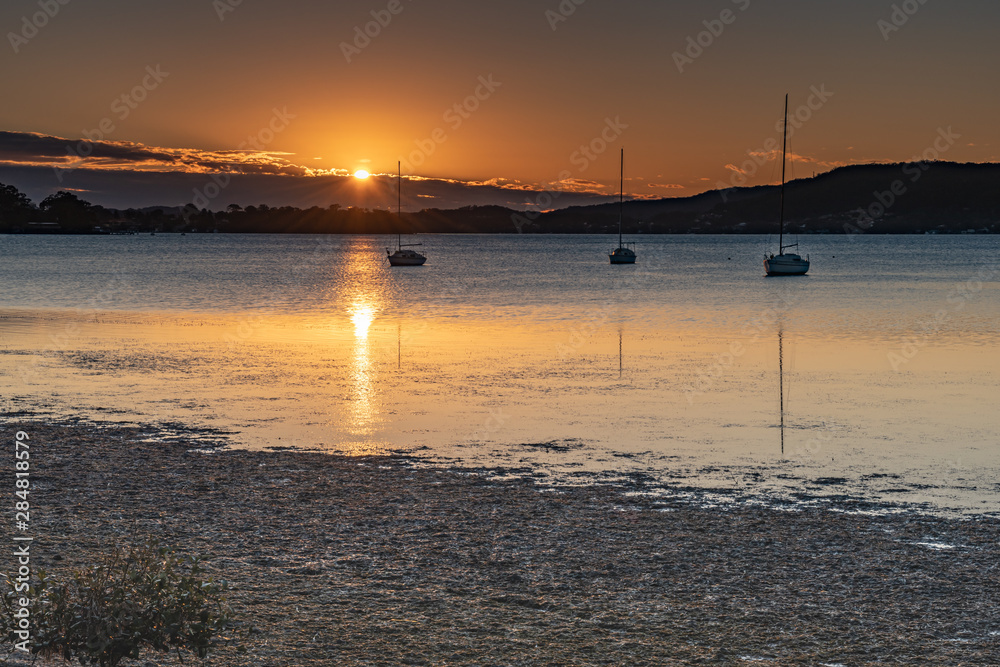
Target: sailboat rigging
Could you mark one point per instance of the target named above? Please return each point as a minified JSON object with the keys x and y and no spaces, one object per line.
{"x":784,"y":264}
{"x":402,"y":257}
{"x":624,"y":253}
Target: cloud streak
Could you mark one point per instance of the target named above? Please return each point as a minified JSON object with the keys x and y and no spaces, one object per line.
{"x":124,"y":174}
{"x":27,"y":149}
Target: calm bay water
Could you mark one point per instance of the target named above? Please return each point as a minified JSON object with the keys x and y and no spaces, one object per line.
{"x":533,"y":352}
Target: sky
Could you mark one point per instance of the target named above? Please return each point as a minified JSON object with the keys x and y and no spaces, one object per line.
{"x":251,"y":101}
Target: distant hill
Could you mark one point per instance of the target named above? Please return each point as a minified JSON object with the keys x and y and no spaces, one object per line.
{"x":943,"y":197}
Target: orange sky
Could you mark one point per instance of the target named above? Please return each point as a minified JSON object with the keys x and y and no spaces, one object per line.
{"x":522,"y":94}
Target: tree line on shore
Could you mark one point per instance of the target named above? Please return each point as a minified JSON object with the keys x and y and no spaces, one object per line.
{"x":66,"y":213}
{"x":935,"y":197}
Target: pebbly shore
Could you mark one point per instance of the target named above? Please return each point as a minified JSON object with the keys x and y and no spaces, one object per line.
{"x":377,"y":561}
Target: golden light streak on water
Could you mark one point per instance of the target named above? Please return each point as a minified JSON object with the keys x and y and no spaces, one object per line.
{"x":365,"y":387}
{"x":362,"y":317}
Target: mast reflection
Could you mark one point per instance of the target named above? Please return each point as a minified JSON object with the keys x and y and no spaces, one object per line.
{"x":781,"y":384}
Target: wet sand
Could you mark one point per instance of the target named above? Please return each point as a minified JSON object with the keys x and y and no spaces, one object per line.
{"x":374,"y":561}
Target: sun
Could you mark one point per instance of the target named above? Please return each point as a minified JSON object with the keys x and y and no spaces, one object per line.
{"x":362,"y":174}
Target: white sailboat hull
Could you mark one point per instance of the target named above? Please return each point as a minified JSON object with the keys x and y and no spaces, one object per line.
{"x":407,"y":261}
{"x":622,"y":255}
{"x":406,"y":258}
{"x":786,"y":265}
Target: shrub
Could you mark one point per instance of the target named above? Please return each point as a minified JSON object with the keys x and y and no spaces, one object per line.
{"x":140,"y":596}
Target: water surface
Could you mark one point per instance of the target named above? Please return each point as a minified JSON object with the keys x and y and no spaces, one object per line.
{"x":534,"y":352}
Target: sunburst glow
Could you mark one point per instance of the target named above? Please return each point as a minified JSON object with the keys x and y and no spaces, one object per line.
{"x":362,"y":174}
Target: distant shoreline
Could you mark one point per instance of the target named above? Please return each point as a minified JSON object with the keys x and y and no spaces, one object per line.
{"x":901,"y":198}
{"x":460,"y":233}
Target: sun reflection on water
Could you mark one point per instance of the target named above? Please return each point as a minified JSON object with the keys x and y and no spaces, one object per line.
{"x":365,"y":399}
{"x":362,"y":317}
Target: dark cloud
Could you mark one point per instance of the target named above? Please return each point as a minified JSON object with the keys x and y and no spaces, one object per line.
{"x":27,"y":146}
{"x":127,"y":175}
{"x":126,"y":188}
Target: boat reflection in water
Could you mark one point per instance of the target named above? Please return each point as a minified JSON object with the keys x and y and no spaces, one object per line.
{"x":621,"y":337}
{"x":781,"y":384}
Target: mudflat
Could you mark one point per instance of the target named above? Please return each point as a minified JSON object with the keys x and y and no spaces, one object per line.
{"x":335,"y":560}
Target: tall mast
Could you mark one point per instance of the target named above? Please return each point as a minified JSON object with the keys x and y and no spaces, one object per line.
{"x":621,"y":195}
{"x":399,"y":199}
{"x":781,"y":215}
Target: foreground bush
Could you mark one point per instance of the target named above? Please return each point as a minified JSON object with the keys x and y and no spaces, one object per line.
{"x":144,"y":596}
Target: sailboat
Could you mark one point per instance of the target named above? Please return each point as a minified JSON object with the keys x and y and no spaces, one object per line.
{"x":402,"y":257}
{"x":623,"y":254}
{"x":785,"y":264}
